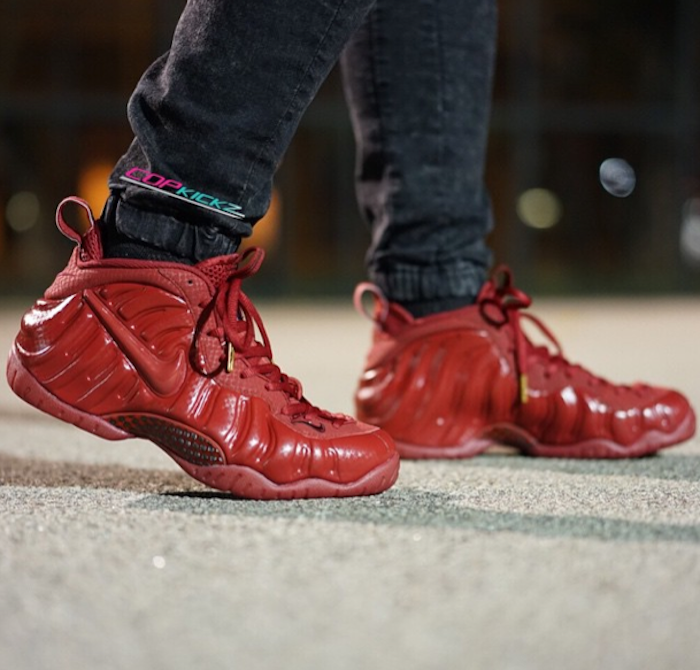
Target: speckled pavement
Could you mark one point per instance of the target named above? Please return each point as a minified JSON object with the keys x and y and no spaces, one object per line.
{"x":110,"y":558}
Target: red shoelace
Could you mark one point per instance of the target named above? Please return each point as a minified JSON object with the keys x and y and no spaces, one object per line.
{"x":237,"y":323}
{"x":501,"y":302}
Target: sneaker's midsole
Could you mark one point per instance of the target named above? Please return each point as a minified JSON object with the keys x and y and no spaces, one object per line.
{"x":236,"y":479}
{"x":514,"y":436}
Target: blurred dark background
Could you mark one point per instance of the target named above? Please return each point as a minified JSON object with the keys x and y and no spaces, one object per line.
{"x":578,"y":82}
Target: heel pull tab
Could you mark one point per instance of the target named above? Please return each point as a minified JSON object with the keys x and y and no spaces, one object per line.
{"x":379,"y":311}
{"x":61,"y":223}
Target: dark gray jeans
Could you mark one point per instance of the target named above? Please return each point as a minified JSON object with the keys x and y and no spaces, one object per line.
{"x":213,"y":117}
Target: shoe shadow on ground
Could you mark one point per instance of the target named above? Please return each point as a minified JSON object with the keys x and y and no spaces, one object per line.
{"x":15,"y":471}
{"x":402,"y":506}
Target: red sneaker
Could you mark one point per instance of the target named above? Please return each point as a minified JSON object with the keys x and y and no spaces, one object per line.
{"x":168,"y":352}
{"x":452,"y":384}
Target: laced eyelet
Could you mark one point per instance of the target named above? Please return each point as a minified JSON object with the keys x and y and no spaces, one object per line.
{"x":237,"y":321}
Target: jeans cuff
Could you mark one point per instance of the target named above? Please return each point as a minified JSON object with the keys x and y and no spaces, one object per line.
{"x":457,"y":283}
{"x":197,"y":242}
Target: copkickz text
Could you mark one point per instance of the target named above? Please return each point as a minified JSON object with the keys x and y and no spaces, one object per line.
{"x":176,"y":189}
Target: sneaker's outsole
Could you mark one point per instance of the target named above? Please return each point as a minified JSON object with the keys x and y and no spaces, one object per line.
{"x":235,"y":479}
{"x":513,"y":436}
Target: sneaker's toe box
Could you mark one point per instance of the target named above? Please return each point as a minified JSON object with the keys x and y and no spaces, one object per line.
{"x":671,"y":416}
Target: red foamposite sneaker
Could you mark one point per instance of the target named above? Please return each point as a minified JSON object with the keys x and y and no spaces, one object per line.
{"x":169,"y":352}
{"x":452,"y":384}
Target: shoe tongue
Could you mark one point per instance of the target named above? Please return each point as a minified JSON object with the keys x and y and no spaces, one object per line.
{"x":91,"y":245}
{"x":218,"y":270}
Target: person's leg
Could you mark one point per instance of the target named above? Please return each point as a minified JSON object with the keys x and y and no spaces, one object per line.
{"x":213,"y":117}
{"x":127,"y":343}
{"x":448,"y":382}
{"x":418,"y":81}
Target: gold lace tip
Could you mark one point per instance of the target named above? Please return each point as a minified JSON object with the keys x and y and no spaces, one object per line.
{"x":231,"y":358}
{"x":523,"y":389}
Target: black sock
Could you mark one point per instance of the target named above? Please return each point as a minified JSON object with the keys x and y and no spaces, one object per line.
{"x":116,"y":245}
{"x":421,"y":308}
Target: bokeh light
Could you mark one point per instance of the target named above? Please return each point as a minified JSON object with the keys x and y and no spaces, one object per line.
{"x":93,"y":184}
{"x":690,"y":232}
{"x":266,"y":233}
{"x":539,"y":208}
{"x":617,"y":177}
{"x":22,"y":211}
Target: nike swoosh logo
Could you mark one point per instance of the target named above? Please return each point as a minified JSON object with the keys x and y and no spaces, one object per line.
{"x":165,"y":377}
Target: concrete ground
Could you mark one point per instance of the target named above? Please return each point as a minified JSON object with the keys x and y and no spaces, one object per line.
{"x":110,"y":558}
